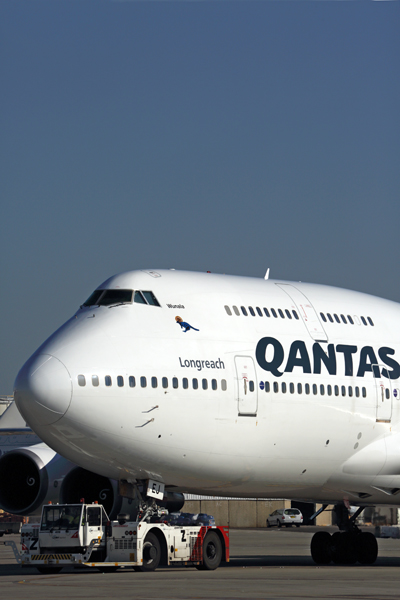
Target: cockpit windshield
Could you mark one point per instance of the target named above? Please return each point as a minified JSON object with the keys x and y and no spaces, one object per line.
{"x":108,"y":297}
{"x":57,"y":516}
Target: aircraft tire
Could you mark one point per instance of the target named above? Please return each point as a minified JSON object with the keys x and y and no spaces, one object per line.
{"x":344,"y":548}
{"x":367,"y":548}
{"x":49,"y":570}
{"x":151,"y":553}
{"x":212,"y":552}
{"x":321,"y":548}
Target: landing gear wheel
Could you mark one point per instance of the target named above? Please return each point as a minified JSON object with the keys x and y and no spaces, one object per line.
{"x":212,"y":552}
{"x":151,"y":553}
{"x":344,"y":548}
{"x":321,"y":548}
{"x":367,"y":548}
{"x":49,"y":570}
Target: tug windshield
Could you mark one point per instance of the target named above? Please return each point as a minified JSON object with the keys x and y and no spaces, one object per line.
{"x":57,"y":516}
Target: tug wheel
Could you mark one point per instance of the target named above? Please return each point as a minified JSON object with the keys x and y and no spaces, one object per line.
{"x":212,"y":552}
{"x":151,"y":553}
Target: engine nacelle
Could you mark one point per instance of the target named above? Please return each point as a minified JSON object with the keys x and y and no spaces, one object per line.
{"x":29,"y":477}
{"x":82,"y":484}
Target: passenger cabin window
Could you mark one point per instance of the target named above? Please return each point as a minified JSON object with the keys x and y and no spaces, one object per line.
{"x":266,"y":312}
{"x":228,"y":310}
{"x":223,"y":385}
{"x":107,"y":380}
{"x":214,"y":384}
{"x":195,"y":384}
{"x":143,"y":382}
{"x":165,"y":382}
{"x":185,"y":383}
{"x":175,"y":382}
{"x":154,"y":382}
{"x":95,"y":380}
{"x":258,"y":309}
{"x":274,"y":313}
{"x":132,"y":381}
{"x":109,"y":297}
{"x":120,"y":381}
{"x":251,"y":311}
{"x":236,"y":310}
{"x":81,"y":380}
{"x":244,"y":311}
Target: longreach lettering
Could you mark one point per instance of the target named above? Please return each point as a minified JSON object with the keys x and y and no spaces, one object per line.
{"x":202,"y":364}
{"x":354,"y":364}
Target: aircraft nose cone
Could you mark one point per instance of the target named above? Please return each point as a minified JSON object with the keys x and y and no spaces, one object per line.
{"x":43,"y":390}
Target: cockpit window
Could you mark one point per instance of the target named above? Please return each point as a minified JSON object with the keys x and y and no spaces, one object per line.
{"x":139,"y":298}
{"x":108,"y":297}
{"x":115,"y":297}
{"x":93,"y":298}
{"x":151,"y":299}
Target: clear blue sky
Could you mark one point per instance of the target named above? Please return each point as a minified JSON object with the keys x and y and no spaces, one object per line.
{"x":223,"y":136}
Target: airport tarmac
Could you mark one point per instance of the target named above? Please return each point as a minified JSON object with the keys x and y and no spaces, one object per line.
{"x":265,"y":563}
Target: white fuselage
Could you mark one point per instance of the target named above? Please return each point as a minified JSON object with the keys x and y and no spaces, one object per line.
{"x":274,"y":426}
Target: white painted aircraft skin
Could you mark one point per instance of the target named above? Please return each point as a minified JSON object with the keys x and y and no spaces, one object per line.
{"x":323,"y":448}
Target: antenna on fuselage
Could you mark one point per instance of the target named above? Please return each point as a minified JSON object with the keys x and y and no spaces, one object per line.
{"x":266,"y":276}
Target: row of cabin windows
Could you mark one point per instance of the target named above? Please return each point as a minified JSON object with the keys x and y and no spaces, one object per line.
{"x":154,"y":382}
{"x":279,"y":312}
{"x":275,"y":313}
{"x":349,"y":319}
{"x":315,"y":389}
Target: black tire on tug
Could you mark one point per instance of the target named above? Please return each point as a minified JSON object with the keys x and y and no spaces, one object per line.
{"x":367,"y":548}
{"x":151,"y":553}
{"x":212,"y":551}
{"x":321,"y":548}
{"x":49,"y":570}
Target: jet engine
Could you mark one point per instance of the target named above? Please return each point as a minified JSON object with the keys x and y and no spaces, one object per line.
{"x":82,"y":484}
{"x":29,"y":477}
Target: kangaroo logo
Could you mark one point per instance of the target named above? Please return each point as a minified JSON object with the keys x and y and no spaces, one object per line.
{"x":185,"y":326}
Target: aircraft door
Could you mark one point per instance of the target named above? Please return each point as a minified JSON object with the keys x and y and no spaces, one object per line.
{"x":383,"y":395}
{"x":246,"y":386}
{"x":306,"y":311}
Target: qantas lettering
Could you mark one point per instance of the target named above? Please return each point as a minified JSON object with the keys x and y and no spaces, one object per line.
{"x":299,"y":357}
{"x":201,"y":364}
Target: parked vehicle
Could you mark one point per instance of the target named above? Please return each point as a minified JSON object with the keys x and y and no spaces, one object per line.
{"x":286,"y":517}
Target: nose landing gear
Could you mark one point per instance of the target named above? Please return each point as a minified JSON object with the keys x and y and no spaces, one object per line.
{"x":344,"y":547}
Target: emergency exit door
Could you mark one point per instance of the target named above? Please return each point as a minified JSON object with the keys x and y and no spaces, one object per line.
{"x":246,"y":386}
{"x":383,"y":395}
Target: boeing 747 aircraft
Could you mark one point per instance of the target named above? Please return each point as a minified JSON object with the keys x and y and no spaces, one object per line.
{"x":229,"y":386}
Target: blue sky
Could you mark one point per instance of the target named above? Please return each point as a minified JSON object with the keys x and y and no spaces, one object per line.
{"x":222,"y":136}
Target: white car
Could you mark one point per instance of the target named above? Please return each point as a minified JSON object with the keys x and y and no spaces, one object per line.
{"x":285,"y":516}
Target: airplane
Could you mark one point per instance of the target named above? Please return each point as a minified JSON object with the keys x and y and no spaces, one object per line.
{"x":230,"y":386}
{"x":32,"y":474}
